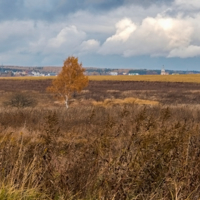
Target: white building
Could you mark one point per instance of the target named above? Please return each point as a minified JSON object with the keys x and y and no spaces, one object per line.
{"x":133,"y":74}
{"x":113,"y":73}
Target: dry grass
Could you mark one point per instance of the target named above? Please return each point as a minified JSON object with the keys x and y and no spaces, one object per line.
{"x":189,"y":78}
{"x":130,"y":100}
{"x":119,"y":148}
{"x":27,"y":78}
{"x":120,"y":152}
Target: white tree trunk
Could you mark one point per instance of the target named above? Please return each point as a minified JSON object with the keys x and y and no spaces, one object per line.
{"x":66,"y":101}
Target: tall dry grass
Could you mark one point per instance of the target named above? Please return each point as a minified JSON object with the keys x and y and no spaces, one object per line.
{"x":121,"y":152}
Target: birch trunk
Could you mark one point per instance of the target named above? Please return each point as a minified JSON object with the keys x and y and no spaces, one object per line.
{"x":66,"y":101}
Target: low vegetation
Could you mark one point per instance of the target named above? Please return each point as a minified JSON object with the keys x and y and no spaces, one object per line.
{"x":163,"y":92}
{"x":188,"y":78}
{"x":89,"y":152}
{"x":130,"y":100}
{"x":120,"y":141}
{"x":20,"y":100}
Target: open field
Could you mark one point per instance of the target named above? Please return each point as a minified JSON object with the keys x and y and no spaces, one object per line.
{"x":194,"y":78}
{"x":189,"y":78}
{"x":119,"y":140}
{"x":163,"y":92}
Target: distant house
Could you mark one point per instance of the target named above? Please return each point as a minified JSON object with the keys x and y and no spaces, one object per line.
{"x":113,"y":73}
{"x":133,"y":74}
{"x":24,"y":73}
{"x":37,"y":73}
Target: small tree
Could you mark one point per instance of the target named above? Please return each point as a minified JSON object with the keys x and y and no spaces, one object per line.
{"x":71,"y":79}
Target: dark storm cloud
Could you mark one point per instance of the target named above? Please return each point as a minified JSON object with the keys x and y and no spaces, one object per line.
{"x":53,"y":9}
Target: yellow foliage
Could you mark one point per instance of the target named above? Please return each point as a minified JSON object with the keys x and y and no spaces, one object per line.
{"x":71,"y":79}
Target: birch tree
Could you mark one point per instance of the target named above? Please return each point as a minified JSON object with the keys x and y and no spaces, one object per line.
{"x":71,"y":79}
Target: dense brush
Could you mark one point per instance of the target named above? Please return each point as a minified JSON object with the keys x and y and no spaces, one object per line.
{"x":118,"y":152}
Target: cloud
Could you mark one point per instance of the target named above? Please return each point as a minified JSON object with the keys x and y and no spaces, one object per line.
{"x":125,"y":28}
{"x":159,"y":36}
{"x":12,"y":29}
{"x":68,"y":37}
{"x":115,"y":43}
{"x":39,"y":40}
{"x":47,"y":31}
{"x":185,"y":52}
{"x":147,"y":3}
{"x":187,"y":5}
{"x":89,"y":46}
{"x":14,"y":35}
{"x":43,"y":5}
{"x":51,"y":10}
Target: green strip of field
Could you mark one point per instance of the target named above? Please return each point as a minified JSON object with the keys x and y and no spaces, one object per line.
{"x":190,"y":78}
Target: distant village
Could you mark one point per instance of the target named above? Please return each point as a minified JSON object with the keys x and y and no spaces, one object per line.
{"x":17,"y":71}
{"x":9,"y":72}
{"x":135,"y":72}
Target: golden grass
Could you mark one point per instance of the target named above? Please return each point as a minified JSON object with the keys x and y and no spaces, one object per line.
{"x":130,"y":100}
{"x":29,"y":77}
{"x":10,"y":192}
{"x":123,"y":152}
{"x":190,"y":78}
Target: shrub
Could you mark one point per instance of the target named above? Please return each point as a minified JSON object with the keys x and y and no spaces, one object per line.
{"x":20,"y":100}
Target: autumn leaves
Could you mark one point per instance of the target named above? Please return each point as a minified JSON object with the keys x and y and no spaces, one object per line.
{"x":71,"y":79}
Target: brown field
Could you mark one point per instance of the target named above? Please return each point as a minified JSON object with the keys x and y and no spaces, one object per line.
{"x":163,"y":92}
{"x":119,"y":140}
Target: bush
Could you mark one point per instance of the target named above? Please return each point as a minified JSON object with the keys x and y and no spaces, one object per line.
{"x":20,"y":100}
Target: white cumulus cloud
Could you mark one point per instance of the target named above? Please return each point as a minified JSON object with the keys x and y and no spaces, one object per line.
{"x":159,"y":36}
{"x":89,"y":45}
{"x":117,"y":42}
{"x":125,"y":28}
{"x":67,"y":37}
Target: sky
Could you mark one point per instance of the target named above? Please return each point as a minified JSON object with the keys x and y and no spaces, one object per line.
{"x":134,"y":34}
